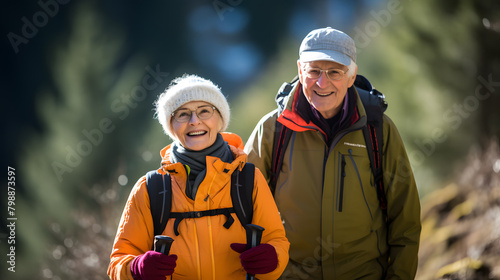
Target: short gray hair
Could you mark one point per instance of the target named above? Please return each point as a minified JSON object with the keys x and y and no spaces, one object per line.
{"x":351,"y":68}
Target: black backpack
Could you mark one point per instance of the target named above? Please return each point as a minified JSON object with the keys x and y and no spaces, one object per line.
{"x":375,"y":106}
{"x":160,"y":199}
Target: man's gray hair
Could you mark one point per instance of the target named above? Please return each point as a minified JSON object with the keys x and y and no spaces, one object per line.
{"x":351,"y":69}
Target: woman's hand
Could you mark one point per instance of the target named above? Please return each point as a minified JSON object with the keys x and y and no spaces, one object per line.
{"x":153,"y":266}
{"x":260,"y":259}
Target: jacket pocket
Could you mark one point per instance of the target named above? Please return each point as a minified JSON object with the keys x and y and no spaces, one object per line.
{"x":353,"y":217}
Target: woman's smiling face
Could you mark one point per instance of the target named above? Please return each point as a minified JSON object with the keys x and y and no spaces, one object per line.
{"x":197,"y":134}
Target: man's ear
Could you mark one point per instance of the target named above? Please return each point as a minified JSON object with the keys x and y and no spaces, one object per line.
{"x":353,"y":77}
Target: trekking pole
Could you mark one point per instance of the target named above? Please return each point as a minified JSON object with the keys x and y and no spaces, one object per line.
{"x":254,"y":235}
{"x":163,"y":244}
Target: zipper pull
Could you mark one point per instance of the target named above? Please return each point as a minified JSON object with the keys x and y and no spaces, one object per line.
{"x":343,"y":166}
{"x":188,"y":169}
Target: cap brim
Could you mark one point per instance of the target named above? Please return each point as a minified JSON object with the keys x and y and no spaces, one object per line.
{"x":308,"y":56}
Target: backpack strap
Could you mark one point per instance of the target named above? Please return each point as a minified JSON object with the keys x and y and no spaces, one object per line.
{"x":374,"y":104}
{"x":374,"y":142}
{"x":282,"y":136}
{"x":160,"y":199}
{"x":179,"y":216}
{"x":283,"y":93}
{"x":242,"y":183}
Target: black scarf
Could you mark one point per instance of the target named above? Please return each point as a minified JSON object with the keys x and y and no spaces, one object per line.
{"x":196,"y":161}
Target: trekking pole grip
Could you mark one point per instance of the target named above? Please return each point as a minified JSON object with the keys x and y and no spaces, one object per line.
{"x":163,"y":244}
{"x":254,"y":235}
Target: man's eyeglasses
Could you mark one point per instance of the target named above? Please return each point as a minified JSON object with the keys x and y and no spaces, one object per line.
{"x":332,"y":74}
{"x":203,"y":113}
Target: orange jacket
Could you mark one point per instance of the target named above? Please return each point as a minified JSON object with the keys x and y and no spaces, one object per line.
{"x":203,"y":244}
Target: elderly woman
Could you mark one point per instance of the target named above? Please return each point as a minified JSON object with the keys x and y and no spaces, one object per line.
{"x":200,"y":161}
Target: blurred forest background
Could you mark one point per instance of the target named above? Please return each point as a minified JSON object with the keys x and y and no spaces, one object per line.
{"x":79,"y":78}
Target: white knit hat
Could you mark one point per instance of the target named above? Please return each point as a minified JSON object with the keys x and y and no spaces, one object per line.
{"x":186,"y":89}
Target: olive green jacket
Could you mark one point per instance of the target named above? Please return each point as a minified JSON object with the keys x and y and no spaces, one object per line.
{"x":329,"y":205}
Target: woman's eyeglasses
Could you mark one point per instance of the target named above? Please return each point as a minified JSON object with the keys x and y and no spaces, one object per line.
{"x":203,"y":113}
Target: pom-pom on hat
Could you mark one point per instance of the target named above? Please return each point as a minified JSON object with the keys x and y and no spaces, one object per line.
{"x":186,"y":89}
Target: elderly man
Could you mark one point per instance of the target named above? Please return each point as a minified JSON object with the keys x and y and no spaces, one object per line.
{"x":326,"y":191}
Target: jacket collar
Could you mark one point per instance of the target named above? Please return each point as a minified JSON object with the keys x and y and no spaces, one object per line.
{"x":235,"y":144}
{"x":291,"y":118}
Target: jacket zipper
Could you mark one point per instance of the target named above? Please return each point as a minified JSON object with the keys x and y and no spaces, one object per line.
{"x":341,"y":187}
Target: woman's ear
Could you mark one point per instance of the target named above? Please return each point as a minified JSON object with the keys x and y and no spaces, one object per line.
{"x":221,"y":122}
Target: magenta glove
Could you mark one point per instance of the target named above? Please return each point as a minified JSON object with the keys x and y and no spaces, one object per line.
{"x":152,"y":266}
{"x":257,"y":260}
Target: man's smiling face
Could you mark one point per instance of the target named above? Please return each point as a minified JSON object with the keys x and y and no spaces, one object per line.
{"x":322,"y":93}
